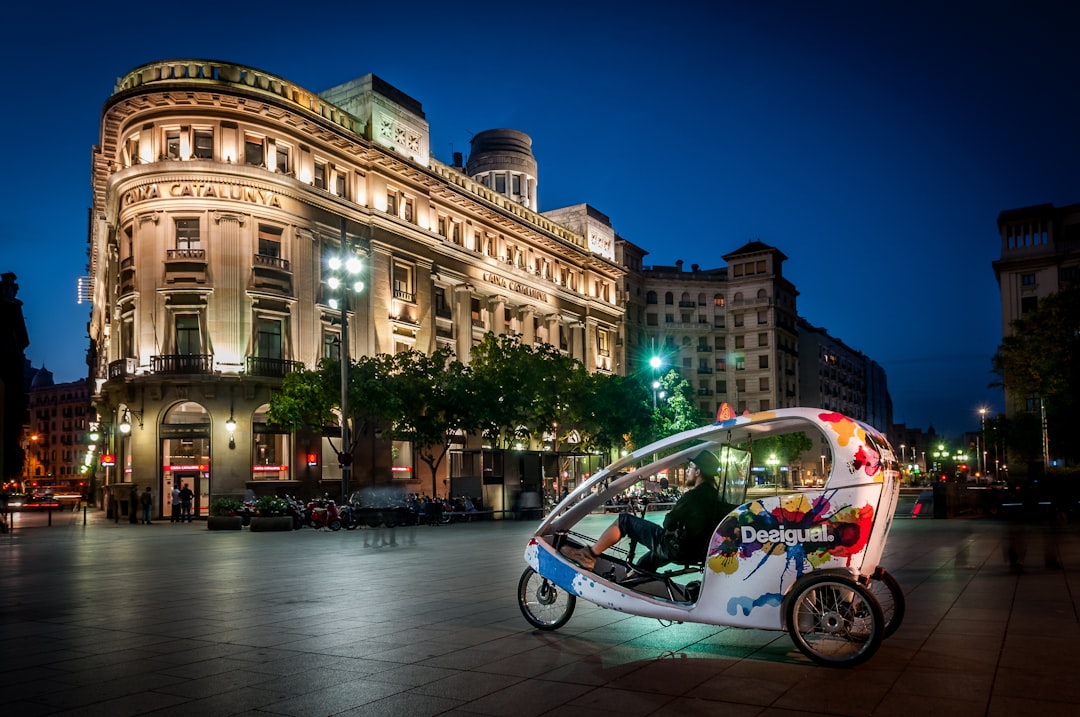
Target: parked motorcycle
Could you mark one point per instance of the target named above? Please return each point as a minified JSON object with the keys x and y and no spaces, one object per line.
{"x":323,"y":513}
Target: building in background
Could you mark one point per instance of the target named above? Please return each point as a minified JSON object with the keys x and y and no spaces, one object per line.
{"x":221,"y":192}
{"x":729,"y":331}
{"x":56,"y":437}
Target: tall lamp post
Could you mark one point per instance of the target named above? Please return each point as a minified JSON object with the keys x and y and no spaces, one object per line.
{"x":344,"y":271}
{"x":655,"y":363}
{"x":982,"y":440}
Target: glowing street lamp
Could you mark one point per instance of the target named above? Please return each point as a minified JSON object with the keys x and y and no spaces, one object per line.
{"x":343,"y":278}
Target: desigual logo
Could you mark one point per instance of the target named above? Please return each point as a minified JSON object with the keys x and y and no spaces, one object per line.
{"x":787,"y":536}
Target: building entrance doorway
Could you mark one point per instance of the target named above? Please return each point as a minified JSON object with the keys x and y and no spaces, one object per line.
{"x":185,"y":453}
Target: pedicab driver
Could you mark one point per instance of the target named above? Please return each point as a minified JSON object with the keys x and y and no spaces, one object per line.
{"x":684,"y":536}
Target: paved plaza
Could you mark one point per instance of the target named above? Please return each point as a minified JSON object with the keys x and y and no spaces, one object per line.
{"x":106,"y":618}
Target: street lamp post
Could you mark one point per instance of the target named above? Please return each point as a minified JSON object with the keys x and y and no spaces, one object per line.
{"x":655,"y":363}
{"x":344,"y":269}
{"x":982,"y":440}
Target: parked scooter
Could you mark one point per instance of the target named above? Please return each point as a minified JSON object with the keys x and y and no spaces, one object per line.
{"x":323,"y":513}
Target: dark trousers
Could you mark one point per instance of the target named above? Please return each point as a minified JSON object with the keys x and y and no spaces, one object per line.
{"x":649,"y":534}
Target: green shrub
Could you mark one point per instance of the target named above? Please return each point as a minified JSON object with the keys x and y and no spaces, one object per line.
{"x":269,"y":506}
{"x":225,"y":506}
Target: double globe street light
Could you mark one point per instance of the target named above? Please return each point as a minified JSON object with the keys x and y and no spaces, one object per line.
{"x":343,"y":277}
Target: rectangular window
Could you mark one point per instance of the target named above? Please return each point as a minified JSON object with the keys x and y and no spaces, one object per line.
{"x":763,"y":383}
{"x":254,"y":152}
{"x":763,"y":361}
{"x":669,"y":318}
{"x":320,"y":175}
{"x":270,"y":242}
{"x":738,"y":320}
{"x":500,"y":183}
{"x":340,"y":187}
{"x":188,"y":340}
{"x":763,"y":339}
{"x":403,"y":277}
{"x":515,"y":184}
{"x":739,"y":342}
{"x":391,"y":202}
{"x":740,"y":385}
{"x":204,"y":144}
{"x":410,"y":213}
{"x":602,"y":343}
{"x":651,"y":320}
{"x":187,"y":234}
{"x":172,"y":144}
{"x":441,"y":226}
{"x":331,"y":345}
{"x":476,"y":313}
{"x":268,"y":338}
{"x":1027,"y":280}
{"x":762,"y":318}
{"x":281,"y":159}
{"x":760,"y":269}
{"x":439,"y":303}
{"x":740,"y":363}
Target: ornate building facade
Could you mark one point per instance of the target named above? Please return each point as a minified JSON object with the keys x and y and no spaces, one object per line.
{"x":220,"y":195}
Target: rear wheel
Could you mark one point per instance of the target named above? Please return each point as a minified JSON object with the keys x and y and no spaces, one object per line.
{"x":885,"y":588}
{"x":545,"y":605}
{"x":834,"y":620}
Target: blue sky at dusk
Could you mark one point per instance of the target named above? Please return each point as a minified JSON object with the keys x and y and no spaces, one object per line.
{"x":874,"y":143}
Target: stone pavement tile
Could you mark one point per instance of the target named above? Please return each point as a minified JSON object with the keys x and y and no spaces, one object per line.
{"x":908,"y":702}
{"x":933,"y":684}
{"x":413,"y":675}
{"x":1030,"y":706}
{"x":836,"y":691}
{"x":537,"y":662}
{"x":697,"y":707}
{"x":749,"y":682}
{"x":404,"y":704}
{"x":671,"y":674}
{"x":466,"y":686}
{"x":618,"y":700}
{"x":528,"y":698}
{"x":335,"y":699}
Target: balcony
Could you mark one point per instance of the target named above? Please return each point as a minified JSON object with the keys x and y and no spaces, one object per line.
{"x":271,"y":272}
{"x":182,"y":364}
{"x":127,"y":275}
{"x":704,"y":369}
{"x":120,"y":368}
{"x":271,"y":367}
{"x":704,"y":348}
{"x":185,"y":266}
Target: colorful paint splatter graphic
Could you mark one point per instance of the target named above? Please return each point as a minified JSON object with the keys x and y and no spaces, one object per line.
{"x":808,"y":533}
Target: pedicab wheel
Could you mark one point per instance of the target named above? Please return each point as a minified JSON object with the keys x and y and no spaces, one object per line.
{"x":834,"y":620}
{"x":885,"y":588}
{"x":544,"y":604}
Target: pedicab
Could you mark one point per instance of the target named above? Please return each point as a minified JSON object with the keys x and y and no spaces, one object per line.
{"x":802,"y":558}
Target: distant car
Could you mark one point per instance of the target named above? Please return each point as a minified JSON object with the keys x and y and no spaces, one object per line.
{"x":41,"y":502}
{"x":15,"y":500}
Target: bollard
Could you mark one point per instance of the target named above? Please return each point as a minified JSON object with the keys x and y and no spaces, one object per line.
{"x":50,"y":516}
{"x":84,"y":514}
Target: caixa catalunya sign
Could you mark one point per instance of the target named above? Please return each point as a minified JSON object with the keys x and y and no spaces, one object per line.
{"x":194,"y":467}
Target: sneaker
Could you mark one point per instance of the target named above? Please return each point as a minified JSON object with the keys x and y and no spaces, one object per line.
{"x":582,"y":556}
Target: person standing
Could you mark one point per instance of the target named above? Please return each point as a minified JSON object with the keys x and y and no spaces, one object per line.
{"x":186,"y":498}
{"x":147,"y":502}
{"x":175,"y":517}
{"x":133,"y":504}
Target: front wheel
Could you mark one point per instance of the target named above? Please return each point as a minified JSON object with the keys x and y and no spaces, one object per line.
{"x":334,"y":524}
{"x":545,"y":605}
{"x":834,"y":620}
{"x":885,"y":588}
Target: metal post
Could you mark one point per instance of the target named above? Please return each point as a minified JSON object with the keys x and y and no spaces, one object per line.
{"x":346,"y":457}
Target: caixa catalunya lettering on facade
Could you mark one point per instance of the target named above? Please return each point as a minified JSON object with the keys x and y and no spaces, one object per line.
{"x":787,"y":536}
{"x":206,"y":190}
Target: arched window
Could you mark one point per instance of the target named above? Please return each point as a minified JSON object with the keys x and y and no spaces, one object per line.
{"x":761,"y":294}
{"x":650,"y":298}
{"x":718,"y":300}
{"x":669,"y":298}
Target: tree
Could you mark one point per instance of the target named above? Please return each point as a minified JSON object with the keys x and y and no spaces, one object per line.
{"x":1041,"y":358}
{"x":433,"y":398}
{"x":613,"y":412}
{"x":677,"y":412}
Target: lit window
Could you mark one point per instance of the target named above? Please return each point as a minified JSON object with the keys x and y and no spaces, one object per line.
{"x":254,"y":151}
{"x":403,"y":281}
{"x":204,"y":144}
{"x":187,"y":234}
{"x":172,"y":144}
{"x":320,"y":175}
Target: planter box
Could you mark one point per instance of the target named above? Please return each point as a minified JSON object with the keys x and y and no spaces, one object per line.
{"x":282,"y":522}
{"x":224,"y":522}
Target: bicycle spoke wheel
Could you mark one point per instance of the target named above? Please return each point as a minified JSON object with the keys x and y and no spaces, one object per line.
{"x":886,"y":590}
{"x":834,"y":620}
{"x":543,"y":603}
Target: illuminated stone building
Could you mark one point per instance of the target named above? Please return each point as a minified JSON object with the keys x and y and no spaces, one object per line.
{"x":729,"y":331}
{"x":55,"y":437}
{"x":220,"y":192}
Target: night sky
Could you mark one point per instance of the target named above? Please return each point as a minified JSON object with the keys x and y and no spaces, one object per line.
{"x":874,"y":143}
